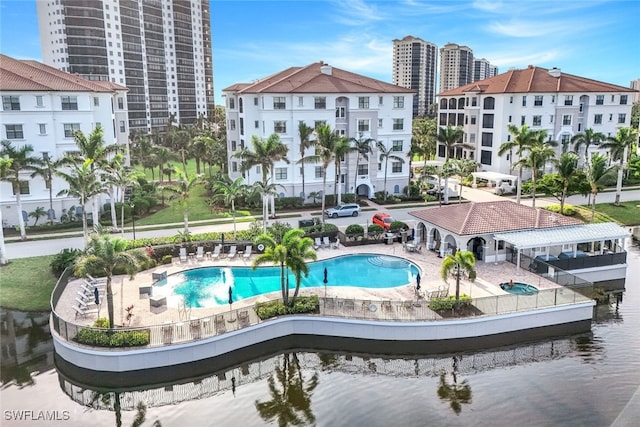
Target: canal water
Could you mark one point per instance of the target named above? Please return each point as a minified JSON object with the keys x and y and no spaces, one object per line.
{"x":580,"y":380}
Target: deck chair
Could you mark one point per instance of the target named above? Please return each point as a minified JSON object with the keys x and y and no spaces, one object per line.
{"x":232,"y":251}
{"x":336,"y":244}
{"x":94,"y":280}
{"x":317,"y":244}
{"x":183,"y":255}
{"x":216,"y":251}
{"x":247,"y":251}
{"x":326,"y":242}
{"x":200,"y":253}
{"x":84,"y":312}
{"x":243,"y":318}
{"x":220,"y":325}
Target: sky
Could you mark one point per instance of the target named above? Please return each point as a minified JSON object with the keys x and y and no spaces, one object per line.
{"x":597,"y":39}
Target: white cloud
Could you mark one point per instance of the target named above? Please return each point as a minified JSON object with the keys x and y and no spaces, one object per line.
{"x":508,"y":59}
{"x":357,"y":12}
{"x":487,"y":5}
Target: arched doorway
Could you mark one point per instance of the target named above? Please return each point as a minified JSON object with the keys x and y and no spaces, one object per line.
{"x":363,"y":190}
{"x":476,"y":245}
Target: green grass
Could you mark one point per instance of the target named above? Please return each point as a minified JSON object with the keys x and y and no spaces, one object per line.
{"x":26,"y":284}
{"x":628,"y":213}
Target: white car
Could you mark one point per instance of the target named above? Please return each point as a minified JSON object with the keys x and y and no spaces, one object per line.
{"x":343,"y":210}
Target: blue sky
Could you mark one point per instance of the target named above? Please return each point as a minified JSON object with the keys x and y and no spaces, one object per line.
{"x":253,"y":39}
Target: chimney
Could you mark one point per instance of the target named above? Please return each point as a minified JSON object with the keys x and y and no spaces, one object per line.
{"x":325,"y":69}
{"x":555,"y":72}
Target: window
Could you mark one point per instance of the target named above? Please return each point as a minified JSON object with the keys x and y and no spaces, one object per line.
{"x":234,"y":166}
{"x":472,"y":138}
{"x":551,"y":118}
{"x":553,"y":99}
{"x":320,"y":103}
{"x":487,"y":139}
{"x":599,"y":99}
{"x":443,"y":119}
{"x":524,"y":101}
{"x":363,"y":169}
{"x":597,"y":119}
{"x":396,"y":167}
{"x":623,"y":99}
{"x":565,"y":138}
{"x":318,"y":171}
{"x":568,"y":100}
{"x":279,"y":103}
{"x":232,"y":124}
{"x":240,"y":104}
{"x":255,"y":101}
{"x":566,"y":120}
{"x":511,"y":100}
{"x":341,"y":112}
{"x":510,"y":119}
{"x":363,"y":125}
{"x":24,"y":187}
{"x":14,"y":131}
{"x":398,"y":102}
{"x":485,"y":157}
{"x":474,"y":101}
{"x":233,"y":146}
{"x":43,"y":128}
{"x":120,"y":104}
{"x":363,"y":102}
{"x":622,"y":117}
{"x":487,"y":121}
{"x":489,"y":103}
{"x":281,"y":174}
{"x":537,"y":120}
{"x":39,"y":101}
{"x":280,"y":126}
{"x":232,"y":103}
{"x":318,"y":123}
{"x":523,"y":120}
{"x":301,"y":101}
{"x":11,"y":103}
{"x":397,"y":145}
{"x":380,"y":123}
{"x":123,"y":128}
{"x":380,"y":100}
{"x":69,"y":102}
{"x":537,"y":101}
{"x":256,"y":124}
{"x":241,"y":126}
{"x":473,"y":120}
{"x":398,"y":124}
{"x":70,"y":129}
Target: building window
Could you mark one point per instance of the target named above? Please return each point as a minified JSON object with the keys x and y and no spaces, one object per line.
{"x":565,"y":138}
{"x":398,"y":124}
{"x":597,"y":119}
{"x":398,"y":102}
{"x":537,"y":120}
{"x":510,"y":118}
{"x":622,"y":117}
{"x":396,"y":167}
{"x":320,"y":103}
{"x":69,"y":103}
{"x":599,"y":99}
{"x":14,"y":131}
{"x":380,"y":99}
{"x":281,"y":174}
{"x":524,"y":101}
{"x":43,"y":128}
{"x":363,"y":169}
{"x":241,"y":126}
{"x":474,"y":101}
{"x":623,"y":99}
{"x":233,"y":146}
{"x":23,"y":187}
{"x":279,"y":103}
{"x":487,"y":139}
{"x":566,"y":120}
{"x":523,"y":120}
{"x":380,"y":123}
{"x":96,"y":101}
{"x":397,"y":145}
{"x":234,"y":166}
{"x":232,"y":103}
{"x":485,"y":157}
{"x":551,"y":118}
{"x":255,"y":101}
{"x":511,"y":100}
{"x":70,"y":129}
{"x":363,"y":102}
{"x":487,"y":121}
{"x":473,"y":120}
{"x":232,"y":124}
{"x":489,"y":103}
{"x":341,"y":112}
{"x":123,"y":128}
{"x":537,"y":101}
{"x":568,"y":100}
{"x":280,"y":126}
{"x":318,"y":171}
{"x":11,"y":103}
{"x":301,"y":101}
{"x":363,"y":125}
{"x":39,"y":101}
{"x":472,"y":138}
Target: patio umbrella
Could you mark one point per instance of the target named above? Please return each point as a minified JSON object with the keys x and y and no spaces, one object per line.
{"x":418,"y":278}
{"x":222,"y":240}
{"x":325,"y":275}
{"x":96,"y":294}
{"x":230,"y":296}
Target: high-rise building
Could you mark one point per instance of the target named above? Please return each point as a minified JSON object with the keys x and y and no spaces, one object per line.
{"x":414,"y":67}
{"x":482,"y":69}
{"x":456,"y":66}
{"x":159,"y":49}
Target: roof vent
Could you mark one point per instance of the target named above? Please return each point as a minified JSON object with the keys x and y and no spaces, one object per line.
{"x":555,"y":72}
{"x":326,"y":69}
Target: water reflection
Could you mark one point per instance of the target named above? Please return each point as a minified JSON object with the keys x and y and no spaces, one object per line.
{"x":456,"y":393}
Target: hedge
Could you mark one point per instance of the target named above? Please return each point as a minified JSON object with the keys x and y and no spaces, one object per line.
{"x":102,"y":338}
{"x":302,"y":304}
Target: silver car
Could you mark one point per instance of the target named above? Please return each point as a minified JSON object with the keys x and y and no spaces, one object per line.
{"x":343,"y":210}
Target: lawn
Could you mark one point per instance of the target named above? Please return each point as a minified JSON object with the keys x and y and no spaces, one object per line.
{"x":628,"y":213}
{"x":26,"y":284}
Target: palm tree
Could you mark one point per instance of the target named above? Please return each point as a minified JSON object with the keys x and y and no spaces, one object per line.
{"x":384,"y":155}
{"x":162,"y":156}
{"x":266,"y":191}
{"x":47,"y":171}
{"x":586,"y":138}
{"x":180,"y":191}
{"x":5,"y":163}
{"x":522,"y":140}
{"x":228,"y":192}
{"x":38,"y":213}
{"x":21,"y":160}
{"x":463,"y":167}
{"x":179,"y":141}
{"x":451,"y":138}
{"x":462,"y":260}
{"x":540,"y":152}
{"x":363,"y":148}
{"x":104,"y":255}
{"x":595,"y":170}
{"x":342,"y":149}
{"x":304,"y":132}
{"x":567,"y":167}
{"x":456,"y":393}
{"x":620,"y":147}
{"x":424,"y":133}
{"x":118,"y":177}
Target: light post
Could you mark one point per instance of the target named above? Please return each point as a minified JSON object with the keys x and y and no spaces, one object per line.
{"x":133,"y":220}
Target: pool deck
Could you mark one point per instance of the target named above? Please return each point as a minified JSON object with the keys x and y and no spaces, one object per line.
{"x":126,"y":292}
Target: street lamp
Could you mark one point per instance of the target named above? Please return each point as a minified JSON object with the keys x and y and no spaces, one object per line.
{"x":133,"y":220}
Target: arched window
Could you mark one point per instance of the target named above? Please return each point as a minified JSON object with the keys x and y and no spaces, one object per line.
{"x":489,"y":103}
{"x":452,"y":104}
{"x":461,"y":104}
{"x":396,"y":189}
{"x":443,"y":104}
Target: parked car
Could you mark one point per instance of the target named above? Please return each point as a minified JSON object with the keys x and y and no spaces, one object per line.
{"x":343,"y":210}
{"x":383,"y":220}
{"x":505,"y":187}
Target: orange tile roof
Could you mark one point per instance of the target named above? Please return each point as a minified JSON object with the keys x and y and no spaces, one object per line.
{"x":28,"y":75}
{"x":310,"y":79}
{"x":534,"y":80}
{"x":491,"y":217}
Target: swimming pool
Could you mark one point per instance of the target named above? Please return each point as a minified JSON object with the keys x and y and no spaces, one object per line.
{"x":209,"y":286}
{"x":519,"y":288}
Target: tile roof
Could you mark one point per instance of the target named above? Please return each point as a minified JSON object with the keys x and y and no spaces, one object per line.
{"x":491,"y":217}
{"x":311,"y":79}
{"x":27,"y":75}
{"x":535,"y":80}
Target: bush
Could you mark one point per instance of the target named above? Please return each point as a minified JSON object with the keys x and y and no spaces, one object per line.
{"x":65,"y":258}
{"x":568,"y":209}
{"x":101,"y":322}
{"x":375,"y":231}
{"x":167,"y":259}
{"x":288,"y":202}
{"x":398,"y":225}
{"x":303,"y":304}
{"x":354,"y":229}
{"x":102,"y":338}
{"x":440,"y":304}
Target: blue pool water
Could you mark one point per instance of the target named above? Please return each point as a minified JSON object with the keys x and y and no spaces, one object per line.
{"x":519,"y":288}
{"x":209,"y":286}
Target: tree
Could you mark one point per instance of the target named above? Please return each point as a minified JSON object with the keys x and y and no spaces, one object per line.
{"x":228,"y":192}
{"x":620,"y":148}
{"x":180,"y":191}
{"x":5,"y":163}
{"x":456,"y":393}
{"x":342,"y":149}
{"x":462,"y":260}
{"x":266,"y":191}
{"x":384,"y":155}
{"x":567,"y":167}
{"x":464,"y":167}
{"x":162,"y":156}
{"x":540,"y":152}
{"x":451,"y":138}
{"x":38,"y":213}
{"x":424,"y":138}
{"x":118,"y":177}
{"x":522,"y":140}
{"x":362,"y":147}
{"x":20,"y":160}
{"x":305,"y":133}
{"x":104,"y":255}
{"x":47,"y":170}
{"x":595,"y":170}
{"x":587,"y":138}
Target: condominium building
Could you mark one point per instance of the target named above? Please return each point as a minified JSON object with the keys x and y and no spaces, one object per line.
{"x":456,"y":66}
{"x":353,"y":105}
{"x":482,"y":69}
{"x":159,"y":49}
{"x":559,"y":103}
{"x":43,"y":107}
{"x":414,"y":67}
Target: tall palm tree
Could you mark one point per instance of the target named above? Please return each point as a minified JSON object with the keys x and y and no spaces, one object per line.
{"x":587,"y":138}
{"x":362,"y":147}
{"x":47,"y":170}
{"x":179,"y":140}
{"x":595,"y":170}
{"x":104,"y":255}
{"x":567,"y":167}
{"x":118,"y":177}
{"x":462,"y":260}
{"x":620,"y":148}
{"x":342,"y":149}
{"x":540,"y":152}
{"x":523,"y":138}
{"x":385,"y":154}
{"x":180,"y":190}
{"x":5,"y":163}
{"x":162,"y":156}
{"x":21,"y":160}
{"x":228,"y":192}
{"x":305,"y":133}
{"x":266,"y":191}
{"x":451,"y":138}
{"x":464,"y":167}
{"x":38,"y":213}
{"x":424,"y":133}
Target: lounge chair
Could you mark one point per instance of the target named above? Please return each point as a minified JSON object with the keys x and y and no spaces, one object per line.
{"x":82,"y":312}
{"x":243,"y":318}
{"x":317,"y":244}
{"x":94,"y":280}
{"x":183,"y":255}
{"x":247,"y":251}
{"x":216,"y":251}
{"x":326,"y":242}
{"x":220,"y":324}
{"x":336,"y":244}
{"x":200,"y":253}
{"x":232,"y":251}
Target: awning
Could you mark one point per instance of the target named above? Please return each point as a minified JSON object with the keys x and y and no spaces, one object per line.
{"x":495,"y":176}
{"x":557,"y":236}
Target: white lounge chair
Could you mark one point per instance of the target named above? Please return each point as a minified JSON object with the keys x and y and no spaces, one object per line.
{"x":326,"y":242}
{"x":183,"y":254}
{"x":317,"y":244}
{"x":232,"y":251}
{"x":336,"y":244}
{"x":82,"y":312}
{"x":216,"y":251}
{"x":94,"y":280}
{"x":247,"y":251}
{"x":200,"y":253}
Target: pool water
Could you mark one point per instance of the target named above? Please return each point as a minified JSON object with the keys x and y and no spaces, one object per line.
{"x":209,"y":286}
{"x":519,"y":288}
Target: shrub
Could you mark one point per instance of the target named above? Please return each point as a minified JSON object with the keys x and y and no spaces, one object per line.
{"x":568,"y":209}
{"x":354,"y":229}
{"x":375,"y":231}
{"x":101,"y":322}
{"x":439,"y":304}
{"x":65,"y":258}
{"x":398,"y":225}
{"x":167,"y":259}
{"x":303,"y":304}
{"x":102,"y":338}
